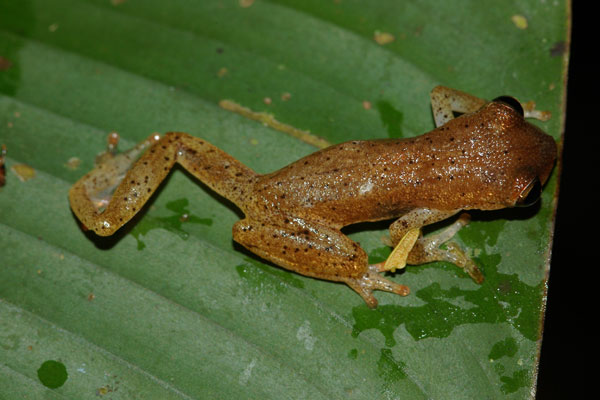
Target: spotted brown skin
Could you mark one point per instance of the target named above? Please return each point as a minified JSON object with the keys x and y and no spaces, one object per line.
{"x":478,"y":161}
{"x":488,"y":158}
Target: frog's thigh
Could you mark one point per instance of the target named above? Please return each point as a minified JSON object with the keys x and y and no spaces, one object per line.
{"x":445,"y":101}
{"x":307,"y":248}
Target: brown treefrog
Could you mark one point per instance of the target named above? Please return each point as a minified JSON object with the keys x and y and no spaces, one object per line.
{"x":487,"y":158}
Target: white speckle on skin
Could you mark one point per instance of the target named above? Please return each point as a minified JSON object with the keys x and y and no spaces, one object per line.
{"x":247,"y":373}
{"x":366,"y":187}
{"x":305,"y":335}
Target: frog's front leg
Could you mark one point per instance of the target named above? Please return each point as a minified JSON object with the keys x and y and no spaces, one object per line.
{"x":314,"y":250}
{"x":111,"y":194}
{"x":427,"y":249}
{"x":420,"y":249}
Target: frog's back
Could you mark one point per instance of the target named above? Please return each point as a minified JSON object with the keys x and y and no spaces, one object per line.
{"x":470,"y":162}
{"x":345,"y":183}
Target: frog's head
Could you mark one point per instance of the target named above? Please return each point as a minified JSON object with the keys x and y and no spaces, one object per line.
{"x":533,"y":154}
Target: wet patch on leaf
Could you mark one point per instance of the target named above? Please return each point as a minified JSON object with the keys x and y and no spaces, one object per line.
{"x":507,"y":347}
{"x":492,"y":231}
{"x":52,"y":374}
{"x":391,"y":118}
{"x":390,"y":368}
{"x":353,"y":354}
{"x":501,"y":298}
{"x":518,"y":380}
{"x":173,"y":223}
{"x":379,"y":254}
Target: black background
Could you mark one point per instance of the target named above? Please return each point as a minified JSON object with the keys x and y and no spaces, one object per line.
{"x":568,"y":335}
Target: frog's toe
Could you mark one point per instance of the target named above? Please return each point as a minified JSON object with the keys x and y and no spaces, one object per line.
{"x":371,"y":281}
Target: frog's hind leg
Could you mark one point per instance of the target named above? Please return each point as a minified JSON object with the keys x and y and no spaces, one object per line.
{"x":111,"y":194}
{"x":314,"y":250}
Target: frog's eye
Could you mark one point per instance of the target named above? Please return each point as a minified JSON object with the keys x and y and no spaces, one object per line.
{"x":511,"y":102}
{"x":530,"y":194}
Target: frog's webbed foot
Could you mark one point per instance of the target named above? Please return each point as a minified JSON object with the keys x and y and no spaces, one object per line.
{"x":92,"y":194}
{"x":111,"y":168}
{"x":372,"y":280}
{"x":427,"y":249}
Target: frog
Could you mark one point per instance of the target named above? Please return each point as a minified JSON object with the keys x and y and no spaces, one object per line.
{"x":481,"y":155}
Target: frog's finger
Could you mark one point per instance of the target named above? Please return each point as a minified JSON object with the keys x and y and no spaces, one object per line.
{"x":460,"y":259}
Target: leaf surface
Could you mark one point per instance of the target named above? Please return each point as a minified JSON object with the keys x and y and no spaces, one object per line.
{"x":166,"y":309}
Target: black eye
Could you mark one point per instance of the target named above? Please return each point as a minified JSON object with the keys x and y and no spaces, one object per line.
{"x":511,"y":102}
{"x":531,"y":194}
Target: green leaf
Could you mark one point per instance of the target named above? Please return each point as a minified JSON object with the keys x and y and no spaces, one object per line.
{"x":171,"y":309}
